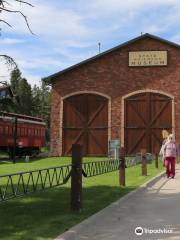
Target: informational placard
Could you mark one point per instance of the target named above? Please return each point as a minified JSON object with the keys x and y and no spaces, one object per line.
{"x":114,"y":146}
{"x":147,"y":58}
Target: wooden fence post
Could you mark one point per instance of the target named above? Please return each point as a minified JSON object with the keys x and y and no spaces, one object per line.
{"x":156,"y":160}
{"x":76,"y":178}
{"x":144,"y":162}
{"x":122,"y":178}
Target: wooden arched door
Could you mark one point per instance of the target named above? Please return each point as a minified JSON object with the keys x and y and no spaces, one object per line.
{"x":85,"y":121}
{"x":146,"y":115}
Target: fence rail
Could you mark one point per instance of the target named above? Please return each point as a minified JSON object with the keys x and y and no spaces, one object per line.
{"x":91,"y":169}
{"x":23,"y":183}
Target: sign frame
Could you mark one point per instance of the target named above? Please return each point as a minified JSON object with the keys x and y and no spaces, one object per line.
{"x":148,"y":51}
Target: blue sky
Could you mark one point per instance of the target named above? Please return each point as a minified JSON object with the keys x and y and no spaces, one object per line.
{"x":67,"y":32}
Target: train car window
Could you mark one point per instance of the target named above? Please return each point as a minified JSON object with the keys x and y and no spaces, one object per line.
{"x":1,"y":130}
{"x":29,"y":132}
{"x":6,"y":130}
{"x":10,"y":130}
{"x":22,"y":131}
{"x":18,"y":131}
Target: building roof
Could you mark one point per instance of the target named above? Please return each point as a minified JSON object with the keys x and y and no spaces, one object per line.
{"x":146,"y":35}
{"x":9,"y":114}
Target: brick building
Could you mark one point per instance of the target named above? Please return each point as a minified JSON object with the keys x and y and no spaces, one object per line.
{"x":130,"y":93}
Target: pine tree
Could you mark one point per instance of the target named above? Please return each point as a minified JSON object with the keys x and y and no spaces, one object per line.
{"x":24,"y":93}
{"x":36,"y":98}
{"x":15,"y":79}
{"x":22,"y":89}
{"x":32,"y":101}
{"x":41,"y":104}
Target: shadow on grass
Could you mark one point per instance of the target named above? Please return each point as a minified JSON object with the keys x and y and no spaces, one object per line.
{"x":5,"y":161}
{"x":47,"y":214}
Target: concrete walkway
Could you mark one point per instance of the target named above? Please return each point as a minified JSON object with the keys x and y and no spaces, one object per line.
{"x":155,"y":207}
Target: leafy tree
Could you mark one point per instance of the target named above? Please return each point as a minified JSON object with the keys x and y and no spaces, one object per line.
{"x":22,"y":89}
{"x":36,"y":93}
{"x":6,"y":104}
{"x":25,"y":97}
{"x":41,"y":104}
{"x":32,"y":101}
{"x":15,"y":79}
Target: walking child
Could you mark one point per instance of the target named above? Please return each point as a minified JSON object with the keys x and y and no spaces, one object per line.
{"x":170,"y":152}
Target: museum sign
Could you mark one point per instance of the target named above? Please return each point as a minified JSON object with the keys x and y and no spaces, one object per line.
{"x":147,"y":58}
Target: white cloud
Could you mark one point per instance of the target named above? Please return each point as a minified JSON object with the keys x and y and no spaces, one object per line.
{"x":76,"y":43}
{"x":116,"y":5}
{"x":5,"y":75}
{"x":33,"y":79}
{"x":55,"y":22}
{"x":69,"y":33}
{"x":11,"y":41}
{"x":47,"y":19}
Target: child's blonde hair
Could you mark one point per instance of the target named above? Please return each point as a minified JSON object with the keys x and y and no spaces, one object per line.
{"x":165,"y":133}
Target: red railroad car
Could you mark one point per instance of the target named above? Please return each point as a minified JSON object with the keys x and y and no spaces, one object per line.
{"x":24,"y":133}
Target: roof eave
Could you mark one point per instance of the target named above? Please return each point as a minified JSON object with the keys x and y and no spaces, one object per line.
{"x":49,"y":79}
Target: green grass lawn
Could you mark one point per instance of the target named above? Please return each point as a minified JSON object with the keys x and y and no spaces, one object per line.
{"x":8,"y":167}
{"x":45,"y":215}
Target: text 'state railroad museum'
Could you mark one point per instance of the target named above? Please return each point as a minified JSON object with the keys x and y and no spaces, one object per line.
{"x":130,"y":93}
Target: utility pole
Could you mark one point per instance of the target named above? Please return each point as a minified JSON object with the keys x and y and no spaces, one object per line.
{"x":15,"y":140}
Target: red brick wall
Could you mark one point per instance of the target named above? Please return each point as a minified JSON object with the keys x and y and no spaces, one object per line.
{"x":111,"y":75}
